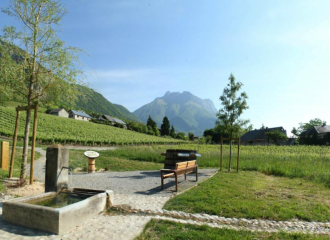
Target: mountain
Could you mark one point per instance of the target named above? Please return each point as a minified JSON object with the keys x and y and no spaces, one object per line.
{"x":185,"y":111}
{"x":96,"y":102}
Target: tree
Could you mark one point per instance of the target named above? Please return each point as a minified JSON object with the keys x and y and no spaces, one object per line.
{"x":191,"y":136}
{"x":234,"y":103}
{"x":306,"y":126}
{"x":165,"y":127}
{"x":42,"y":67}
{"x":172,"y":132}
{"x":181,"y":135}
{"x":275,"y":136}
{"x":152,"y":126}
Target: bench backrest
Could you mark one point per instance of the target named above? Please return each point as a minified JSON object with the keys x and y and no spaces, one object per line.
{"x":183,"y":165}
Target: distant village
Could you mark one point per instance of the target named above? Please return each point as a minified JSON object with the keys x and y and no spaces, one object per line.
{"x":81,"y":115}
{"x":316,"y":135}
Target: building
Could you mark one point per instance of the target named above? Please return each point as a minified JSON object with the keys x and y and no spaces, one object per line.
{"x":79,"y":115}
{"x":60,"y":112}
{"x":317,"y":135}
{"x":259,"y":137}
{"x":114,"y":121}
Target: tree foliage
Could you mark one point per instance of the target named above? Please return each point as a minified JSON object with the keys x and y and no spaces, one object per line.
{"x":234,"y":103}
{"x":276,"y":136}
{"x":172,"y":132}
{"x":152,"y":127}
{"x":165,"y":127}
{"x":306,"y":126}
{"x":41,"y":68}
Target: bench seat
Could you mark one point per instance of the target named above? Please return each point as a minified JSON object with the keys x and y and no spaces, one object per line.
{"x":181,"y":168}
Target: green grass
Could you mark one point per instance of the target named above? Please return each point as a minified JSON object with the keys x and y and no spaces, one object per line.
{"x":254,"y":195}
{"x":161,"y":229}
{"x":307,"y":162}
{"x":110,"y":163}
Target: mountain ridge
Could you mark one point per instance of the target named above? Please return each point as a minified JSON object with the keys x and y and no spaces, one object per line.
{"x":187,"y":112}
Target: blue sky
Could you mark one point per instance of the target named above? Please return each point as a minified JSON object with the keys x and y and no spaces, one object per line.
{"x":138,"y":50}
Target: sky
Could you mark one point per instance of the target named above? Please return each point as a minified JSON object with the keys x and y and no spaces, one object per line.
{"x":138,"y":50}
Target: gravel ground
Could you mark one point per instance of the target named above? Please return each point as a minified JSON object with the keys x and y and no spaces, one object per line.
{"x":136,"y":182}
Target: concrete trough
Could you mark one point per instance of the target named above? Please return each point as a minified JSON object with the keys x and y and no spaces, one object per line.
{"x":54,"y":220}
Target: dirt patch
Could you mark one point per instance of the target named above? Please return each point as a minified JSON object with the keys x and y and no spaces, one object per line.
{"x":27,"y":190}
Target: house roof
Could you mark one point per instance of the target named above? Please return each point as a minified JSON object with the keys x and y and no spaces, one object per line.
{"x":317,"y":129}
{"x":80,"y":113}
{"x":56,"y":110}
{"x":115,"y":120}
{"x":259,"y":134}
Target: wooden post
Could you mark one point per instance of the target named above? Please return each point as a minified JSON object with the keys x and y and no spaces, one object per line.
{"x":4,"y":161}
{"x":91,"y":165}
{"x":221,"y":142}
{"x":33,"y":143}
{"x":14,"y":145}
{"x":239,"y":143}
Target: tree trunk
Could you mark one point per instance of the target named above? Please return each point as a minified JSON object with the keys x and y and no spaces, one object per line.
{"x":229,"y":157}
{"x":25,"y":146}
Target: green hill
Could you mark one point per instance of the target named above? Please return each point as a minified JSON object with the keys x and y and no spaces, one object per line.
{"x":185,"y":111}
{"x":96,"y":102}
{"x":88,"y":99}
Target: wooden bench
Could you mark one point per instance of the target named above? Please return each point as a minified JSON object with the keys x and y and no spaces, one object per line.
{"x":181,"y":168}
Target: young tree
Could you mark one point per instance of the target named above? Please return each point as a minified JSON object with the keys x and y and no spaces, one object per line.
{"x":152,"y":126}
{"x":172,"y":132}
{"x":165,"y":127}
{"x":191,"y":136}
{"x":234,"y":103}
{"x":42,"y":67}
{"x":275,"y":136}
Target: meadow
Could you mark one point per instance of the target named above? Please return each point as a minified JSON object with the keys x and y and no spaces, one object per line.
{"x":307,"y":162}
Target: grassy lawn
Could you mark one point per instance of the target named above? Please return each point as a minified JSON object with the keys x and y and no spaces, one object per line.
{"x":307,"y":162}
{"x":256,"y":196}
{"x":160,"y":229}
{"x":110,"y":163}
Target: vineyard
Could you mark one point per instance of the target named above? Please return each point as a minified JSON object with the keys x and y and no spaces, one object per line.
{"x":53,"y":129}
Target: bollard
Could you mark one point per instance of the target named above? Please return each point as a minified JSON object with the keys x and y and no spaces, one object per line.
{"x":4,"y":163}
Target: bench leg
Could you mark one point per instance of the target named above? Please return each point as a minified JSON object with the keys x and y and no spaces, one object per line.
{"x":176,"y":182}
{"x":162,"y":182}
{"x":196,"y":174}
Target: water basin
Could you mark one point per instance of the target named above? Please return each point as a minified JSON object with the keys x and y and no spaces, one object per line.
{"x":57,"y":213}
{"x":60,"y":200}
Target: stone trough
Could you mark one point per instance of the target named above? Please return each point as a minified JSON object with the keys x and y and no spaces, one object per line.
{"x":59,"y":209}
{"x":23,"y":211}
